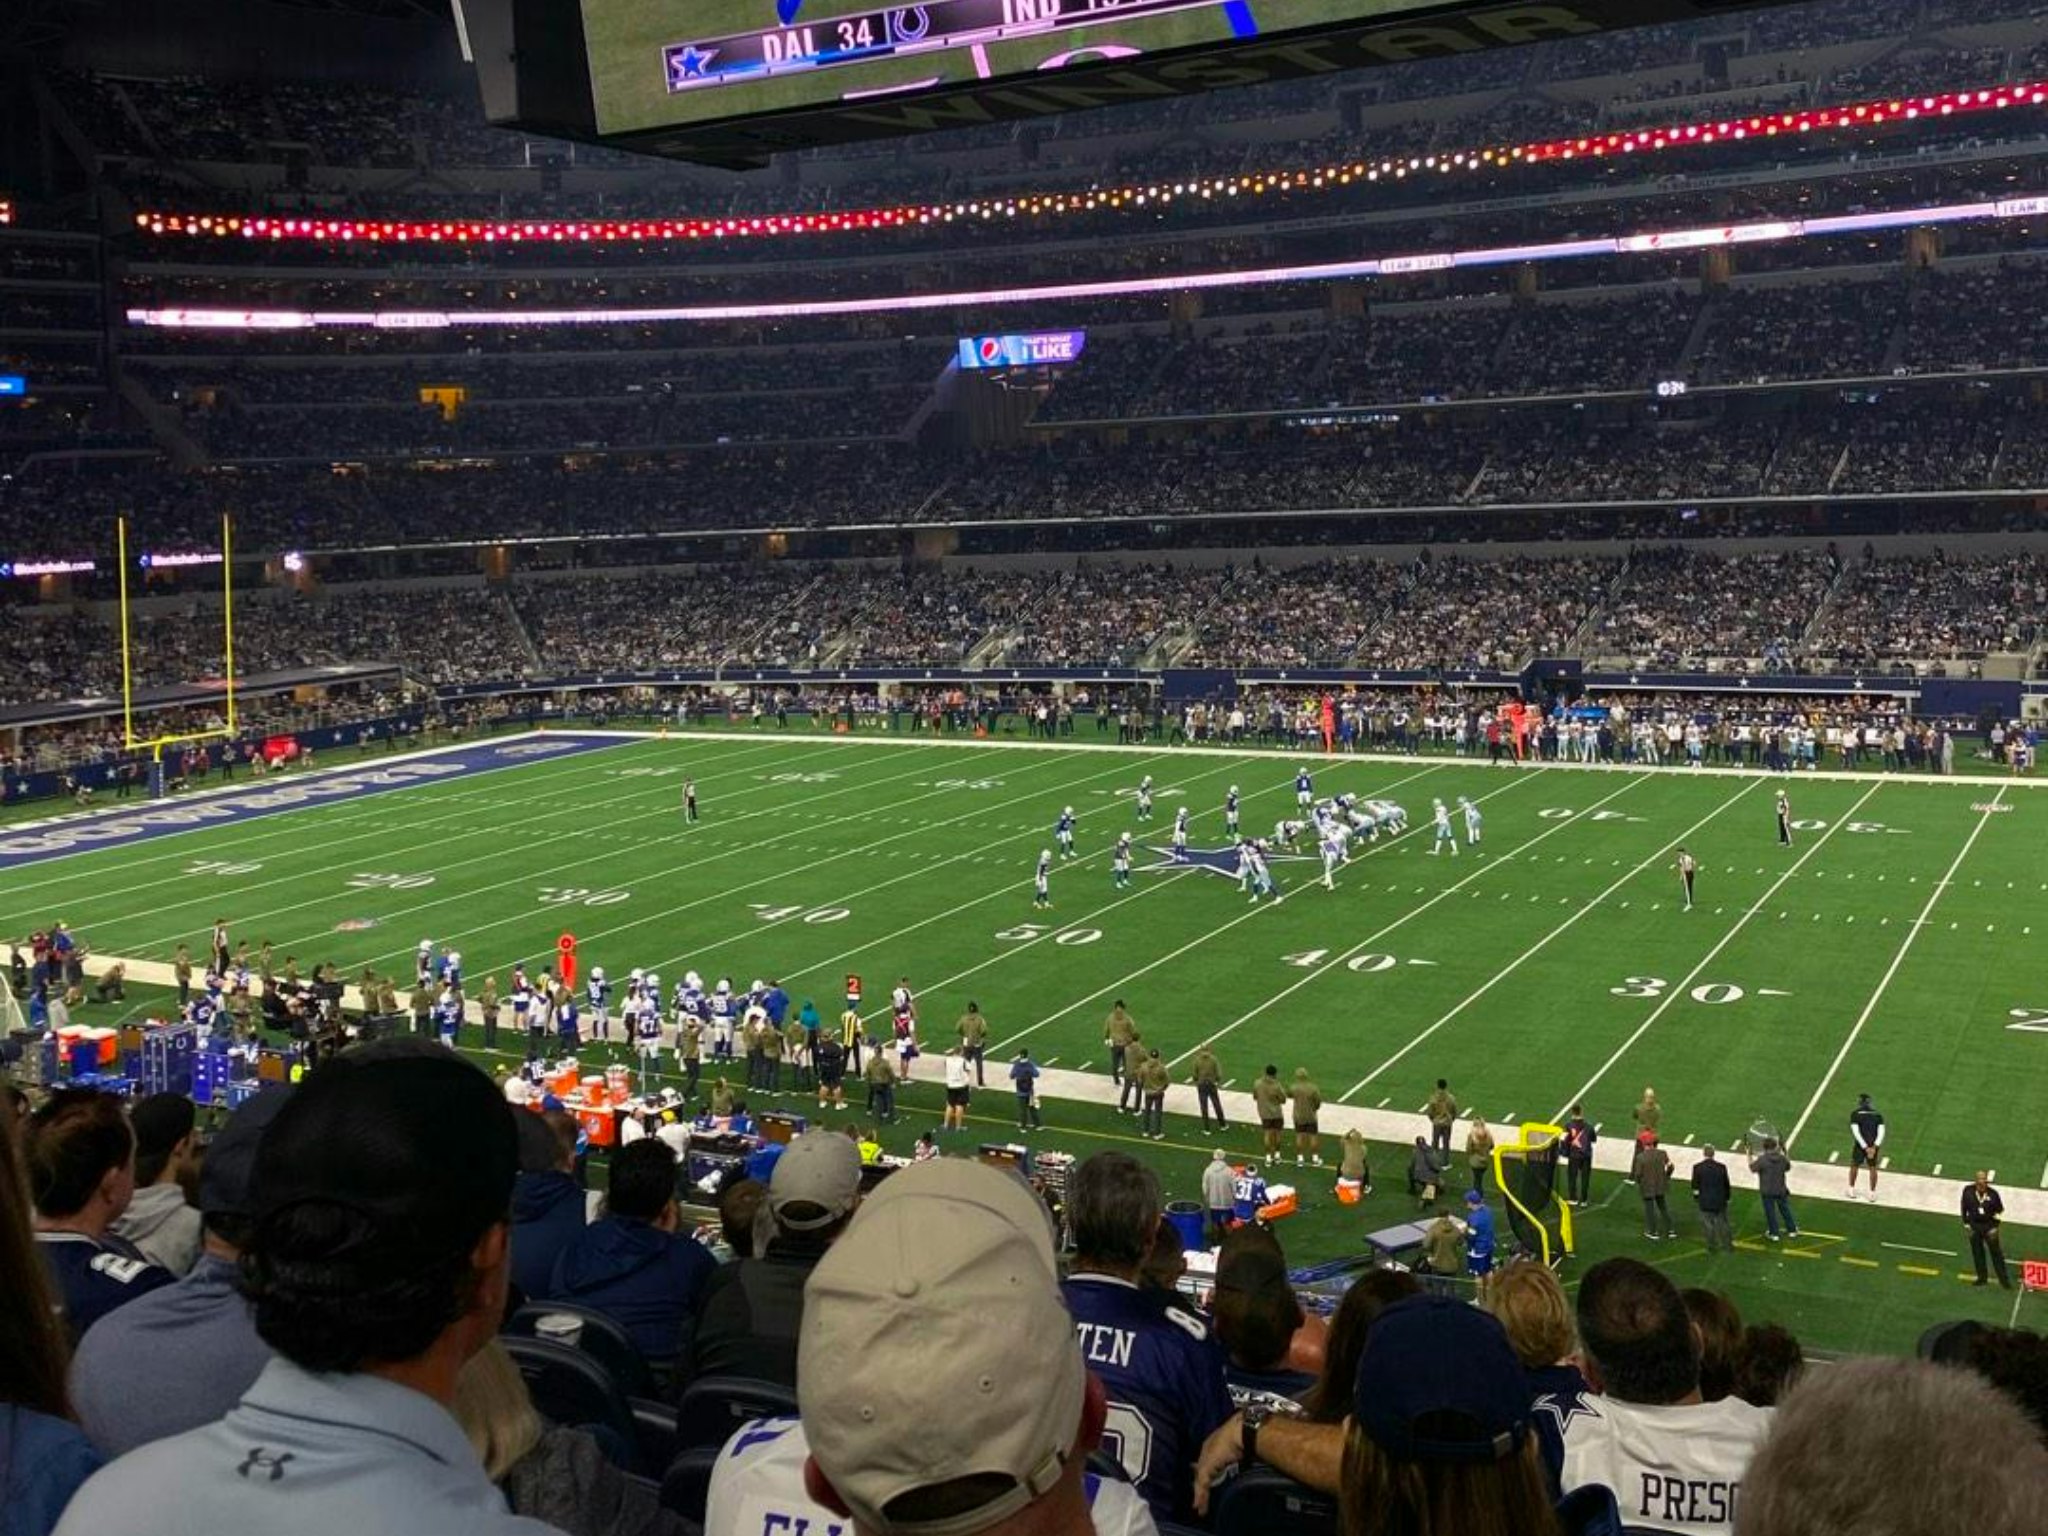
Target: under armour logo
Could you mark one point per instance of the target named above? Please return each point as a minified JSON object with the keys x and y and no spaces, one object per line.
{"x":260,"y":1458}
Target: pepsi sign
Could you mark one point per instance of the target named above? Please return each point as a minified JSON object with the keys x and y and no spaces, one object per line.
{"x":1031,"y":350}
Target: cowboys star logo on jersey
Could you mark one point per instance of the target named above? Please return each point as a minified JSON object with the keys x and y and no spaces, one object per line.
{"x":1214,"y":861}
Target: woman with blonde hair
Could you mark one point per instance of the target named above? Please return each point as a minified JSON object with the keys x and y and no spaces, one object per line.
{"x":1479,"y":1150}
{"x":557,"y":1475}
{"x":1532,"y":1307}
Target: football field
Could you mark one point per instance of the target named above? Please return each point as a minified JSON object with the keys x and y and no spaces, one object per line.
{"x":1895,"y":948}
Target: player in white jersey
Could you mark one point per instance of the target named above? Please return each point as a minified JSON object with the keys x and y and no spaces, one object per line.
{"x":1120,"y":861}
{"x":599,"y":991}
{"x":1392,"y":817}
{"x":1063,"y":832}
{"x":647,"y":1038}
{"x":1445,"y":837}
{"x":1180,"y":833}
{"x":1230,"y":812}
{"x":1145,"y":798}
{"x":1041,"y":882}
{"x":1262,"y":876}
{"x":723,"y":1012}
{"x":1244,"y":865}
{"x":1474,"y":822}
{"x":1333,"y":855}
{"x":1285,"y":833}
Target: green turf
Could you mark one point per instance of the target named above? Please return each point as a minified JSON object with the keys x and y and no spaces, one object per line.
{"x":1510,"y":972}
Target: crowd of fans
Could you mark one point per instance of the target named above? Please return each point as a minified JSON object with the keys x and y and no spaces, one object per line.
{"x":391,"y":1292}
{"x":1672,"y":608}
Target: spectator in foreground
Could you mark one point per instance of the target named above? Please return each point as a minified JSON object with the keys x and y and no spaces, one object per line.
{"x":81,"y":1168}
{"x":43,"y":1457}
{"x":1256,"y":1315}
{"x":377,"y":1266}
{"x":1439,"y":1438}
{"x":1896,"y":1445}
{"x":1329,"y":1401}
{"x":182,"y":1356}
{"x":740,"y":1205}
{"x":161,"y":1223}
{"x":747,"y":1321}
{"x":946,"y":1288}
{"x":1674,"y":1461}
{"x":554,"y":1474}
{"x":633,"y":1264}
{"x":549,"y":1211}
{"x":1531,"y":1306}
{"x":1770,"y":1364}
{"x":1158,"y":1362}
{"x":1718,"y":1326}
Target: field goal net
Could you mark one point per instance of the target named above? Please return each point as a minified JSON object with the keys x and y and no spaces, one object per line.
{"x":1526,"y":1172}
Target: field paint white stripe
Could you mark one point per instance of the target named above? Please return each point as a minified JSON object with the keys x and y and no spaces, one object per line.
{"x":1364,"y":945}
{"x":1516,"y":963}
{"x":529,"y":874}
{"x":1222,"y":928}
{"x":1679,"y":989}
{"x":1940,"y":1253}
{"x":284,"y":823}
{"x":375,"y":824}
{"x":1884,"y":982}
{"x":584,"y":940}
{"x":1001,"y":892}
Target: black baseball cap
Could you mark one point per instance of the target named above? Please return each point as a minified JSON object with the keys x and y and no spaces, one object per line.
{"x":419,"y":1145}
{"x":230,"y":1164}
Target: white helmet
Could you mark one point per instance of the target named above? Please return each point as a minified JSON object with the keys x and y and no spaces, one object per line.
{"x":653,"y":981}
{"x":597,"y":973}
{"x":638,"y":974}
{"x":724,"y":984}
{"x":1233,"y":789}
{"x":426,"y":946}
{"x":1045,"y":853}
{"x":758,"y":986}
{"x":692,"y":979}
{"x":1069,"y":810}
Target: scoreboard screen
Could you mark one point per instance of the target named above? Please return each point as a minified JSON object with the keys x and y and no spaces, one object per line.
{"x":655,"y":62}
{"x":730,"y":82}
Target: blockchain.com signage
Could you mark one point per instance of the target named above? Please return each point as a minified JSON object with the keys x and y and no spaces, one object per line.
{"x":1035,"y":349}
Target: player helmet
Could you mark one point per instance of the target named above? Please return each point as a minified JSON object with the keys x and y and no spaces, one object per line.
{"x":1233,"y":789}
{"x":638,"y":974}
{"x":597,"y":973}
{"x":757,"y":986}
{"x":1045,"y":853}
{"x":1069,"y":811}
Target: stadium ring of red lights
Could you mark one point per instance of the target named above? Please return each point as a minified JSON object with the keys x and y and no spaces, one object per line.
{"x":1855,"y":116}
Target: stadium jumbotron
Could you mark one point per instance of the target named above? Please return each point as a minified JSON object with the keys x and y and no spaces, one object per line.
{"x":1396,"y":655}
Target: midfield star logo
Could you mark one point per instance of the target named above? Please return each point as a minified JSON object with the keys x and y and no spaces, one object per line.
{"x":1213,"y":861}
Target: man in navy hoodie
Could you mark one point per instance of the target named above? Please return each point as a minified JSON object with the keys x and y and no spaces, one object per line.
{"x":632,"y":1264}
{"x":548,"y":1209}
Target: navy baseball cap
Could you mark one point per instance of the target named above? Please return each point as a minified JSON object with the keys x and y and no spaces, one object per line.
{"x":230,"y":1166}
{"x":1438,"y":1381}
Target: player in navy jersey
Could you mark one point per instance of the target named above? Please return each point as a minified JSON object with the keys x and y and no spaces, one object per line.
{"x":1063,"y":833}
{"x":1304,"y":789}
{"x":1159,"y":1364}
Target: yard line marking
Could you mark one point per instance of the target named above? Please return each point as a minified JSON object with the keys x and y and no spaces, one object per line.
{"x":1364,"y":945}
{"x":1937,"y":1171}
{"x":1885,"y":981}
{"x":2044,"y":1175}
{"x":528,"y":872}
{"x":1220,"y":929}
{"x":1681,"y":988}
{"x":377,"y":823}
{"x":1942,"y":1253}
{"x":1919,"y":1269}
{"x":1516,"y":963}
{"x":1860,"y":1263}
{"x":829,"y":857}
{"x":999,"y":893}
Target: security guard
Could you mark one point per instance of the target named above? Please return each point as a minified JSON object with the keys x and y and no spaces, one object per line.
{"x":1983,"y":1209}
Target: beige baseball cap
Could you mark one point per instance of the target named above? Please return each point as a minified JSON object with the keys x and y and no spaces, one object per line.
{"x":815,"y":1182}
{"x":943,"y":1294}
